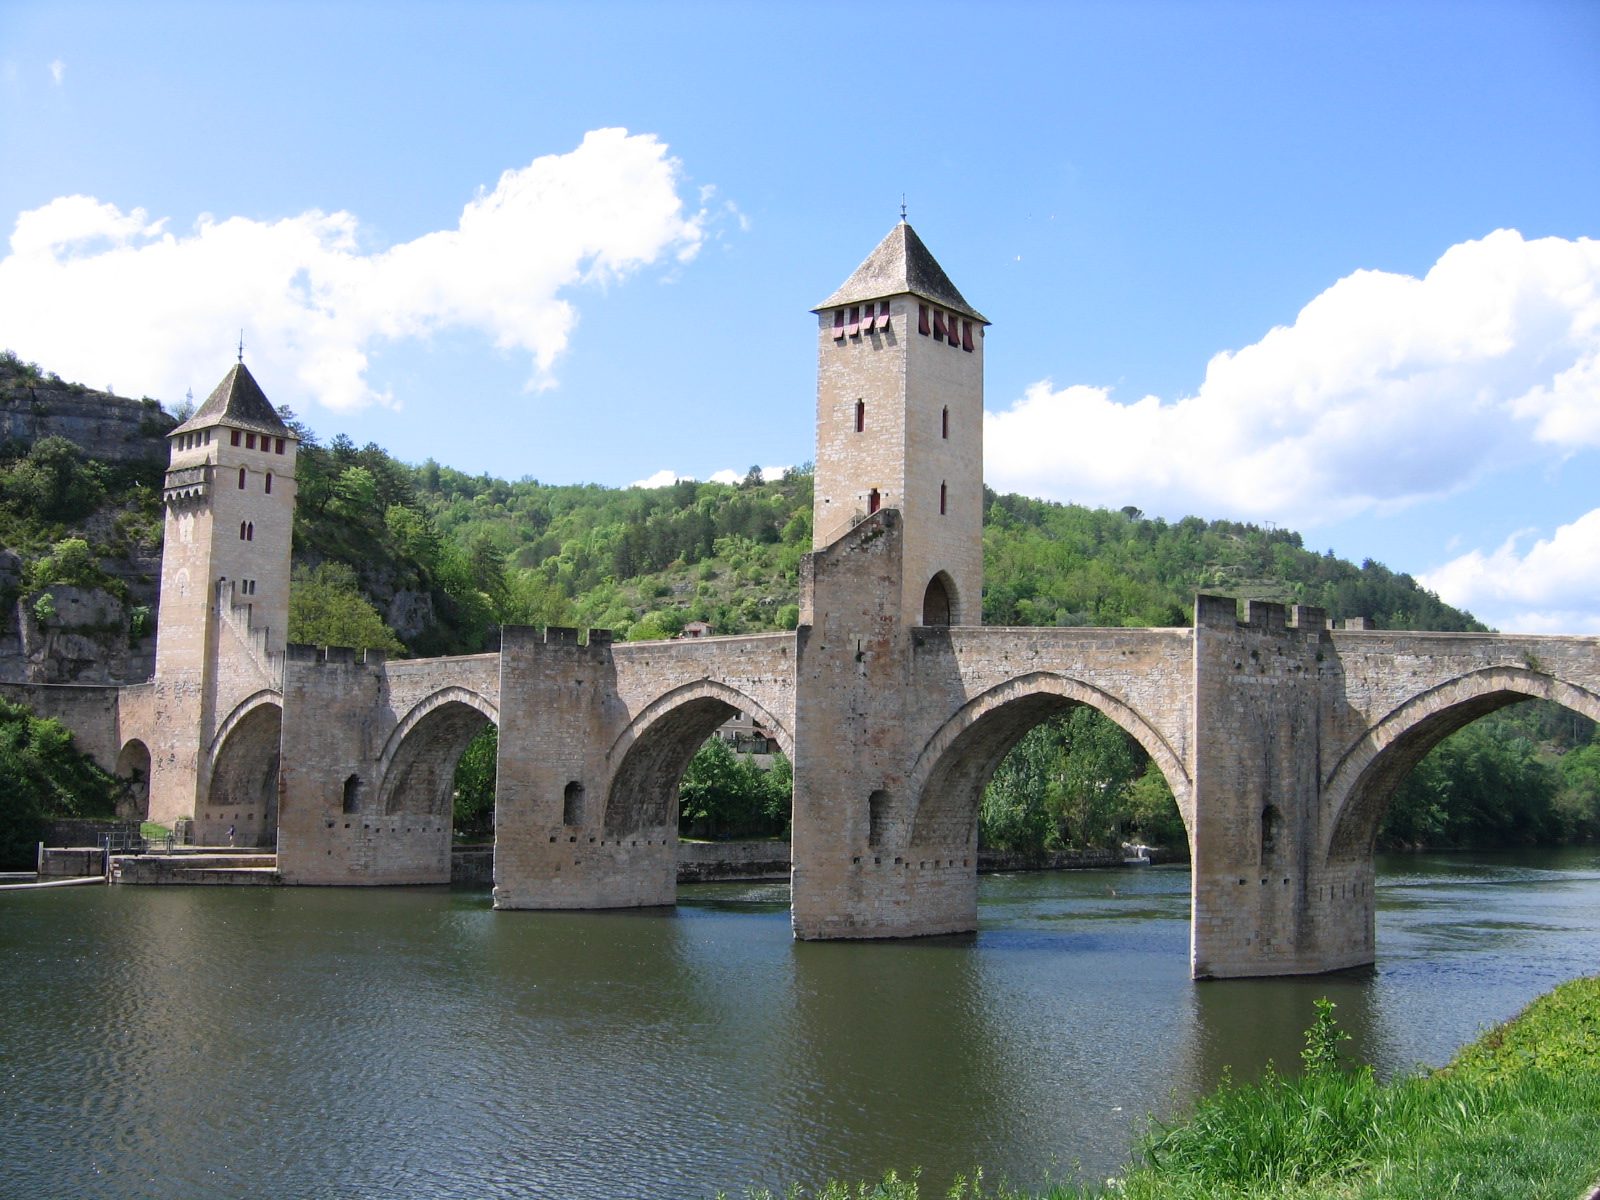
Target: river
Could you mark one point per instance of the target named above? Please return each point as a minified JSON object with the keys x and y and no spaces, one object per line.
{"x":203,"y":1043}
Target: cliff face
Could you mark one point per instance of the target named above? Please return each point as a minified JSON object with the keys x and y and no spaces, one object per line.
{"x":105,"y":427}
{"x":93,"y":623}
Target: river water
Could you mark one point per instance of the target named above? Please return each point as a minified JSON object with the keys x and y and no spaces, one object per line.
{"x":203,"y":1043}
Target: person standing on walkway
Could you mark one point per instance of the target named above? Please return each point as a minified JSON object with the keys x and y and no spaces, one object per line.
{"x":230,"y":835}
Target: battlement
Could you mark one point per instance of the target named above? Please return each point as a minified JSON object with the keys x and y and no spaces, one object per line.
{"x":334,"y":656}
{"x":1222,"y":612}
{"x":523,"y":636}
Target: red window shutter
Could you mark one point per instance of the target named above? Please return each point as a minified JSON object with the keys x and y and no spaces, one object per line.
{"x":852,"y":324}
{"x":922,"y":320}
{"x":234,"y":437}
{"x":966,"y":336}
{"x":280,"y":445}
{"x":938,"y":326}
{"x":883,"y":315}
{"x":838,"y":325}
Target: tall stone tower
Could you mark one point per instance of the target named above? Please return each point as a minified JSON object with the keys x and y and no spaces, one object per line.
{"x":900,"y":423}
{"x":230,"y":496}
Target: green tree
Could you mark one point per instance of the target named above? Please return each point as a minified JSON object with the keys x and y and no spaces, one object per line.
{"x":474,"y":785}
{"x":326,"y":608}
{"x":43,"y":775}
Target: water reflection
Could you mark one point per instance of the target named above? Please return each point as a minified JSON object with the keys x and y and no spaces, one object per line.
{"x":322,"y":1042}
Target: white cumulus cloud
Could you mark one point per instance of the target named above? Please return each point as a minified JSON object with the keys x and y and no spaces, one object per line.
{"x":1551,"y":587}
{"x":93,"y":292}
{"x":662,"y":478}
{"x":57,"y":70}
{"x":667,"y":477}
{"x":1387,"y":390}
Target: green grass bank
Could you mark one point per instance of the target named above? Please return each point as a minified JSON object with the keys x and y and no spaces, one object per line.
{"x":1514,"y":1116}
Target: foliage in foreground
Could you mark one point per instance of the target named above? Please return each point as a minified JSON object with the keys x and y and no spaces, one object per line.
{"x":1514,"y":1116}
{"x":42,"y":775}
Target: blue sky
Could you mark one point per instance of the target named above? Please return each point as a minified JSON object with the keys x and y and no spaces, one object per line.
{"x":1126,"y":190}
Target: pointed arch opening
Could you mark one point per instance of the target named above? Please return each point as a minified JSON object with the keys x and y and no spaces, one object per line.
{"x":939,"y":600}
{"x":243,"y":791}
{"x":1437,"y":772}
{"x":133,"y":770}
{"x":1042,"y":763}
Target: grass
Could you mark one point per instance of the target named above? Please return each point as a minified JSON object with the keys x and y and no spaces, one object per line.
{"x":1514,"y":1116}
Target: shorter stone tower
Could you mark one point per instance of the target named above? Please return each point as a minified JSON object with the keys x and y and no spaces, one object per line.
{"x":223,"y":622}
{"x":900,"y":423}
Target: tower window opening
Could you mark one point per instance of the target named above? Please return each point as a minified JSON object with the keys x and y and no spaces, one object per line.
{"x":242,"y":527}
{"x":923,"y":327}
{"x":944,"y":423}
{"x":269,"y":483}
{"x":966,"y":336}
{"x":838,"y":325}
{"x":279,"y":449}
{"x":572,"y":804}
{"x":853,"y":325}
{"x":233,"y":437}
{"x":249,"y":441}
{"x":939,"y":330}
{"x":241,"y":478}
{"x":353,"y":787}
{"x":874,"y":501}
{"x":861,"y":416}
{"x":250,"y":531}
{"x":942,"y":498}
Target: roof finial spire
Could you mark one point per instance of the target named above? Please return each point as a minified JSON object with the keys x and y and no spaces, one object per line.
{"x":241,"y":345}
{"x":902,"y":206}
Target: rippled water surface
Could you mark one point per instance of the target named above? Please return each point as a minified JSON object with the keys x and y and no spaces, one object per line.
{"x":302,"y":1042}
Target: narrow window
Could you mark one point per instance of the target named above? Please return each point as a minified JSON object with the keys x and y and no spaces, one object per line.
{"x":250,"y":531}
{"x":942,"y":496}
{"x":966,"y":336}
{"x":353,"y":788}
{"x":280,"y":446}
{"x":233,"y":437}
{"x":944,"y":423}
{"x":241,"y":477}
{"x":249,"y":441}
{"x":883,"y":315}
{"x":938,"y":326}
{"x":241,"y":530}
{"x":838,"y":325}
{"x":922,"y":320}
{"x":861,"y":416}
{"x":269,"y":483}
{"x":853,"y":325}
{"x":207,"y":440}
{"x":874,"y":501}
{"x":572,"y":804}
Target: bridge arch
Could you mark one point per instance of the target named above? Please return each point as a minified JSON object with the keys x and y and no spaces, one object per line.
{"x":650,"y":756}
{"x":416,"y":769}
{"x":242,"y":791}
{"x":945,"y":786}
{"x":1356,"y":793}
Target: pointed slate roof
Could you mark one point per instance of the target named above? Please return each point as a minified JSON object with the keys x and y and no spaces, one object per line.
{"x":239,"y":402}
{"x":901,"y":264}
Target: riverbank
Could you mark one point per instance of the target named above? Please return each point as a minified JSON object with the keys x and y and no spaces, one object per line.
{"x":1515,"y":1115}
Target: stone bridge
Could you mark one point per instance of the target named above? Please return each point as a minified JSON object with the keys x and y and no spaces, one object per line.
{"x":1283,"y":739}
